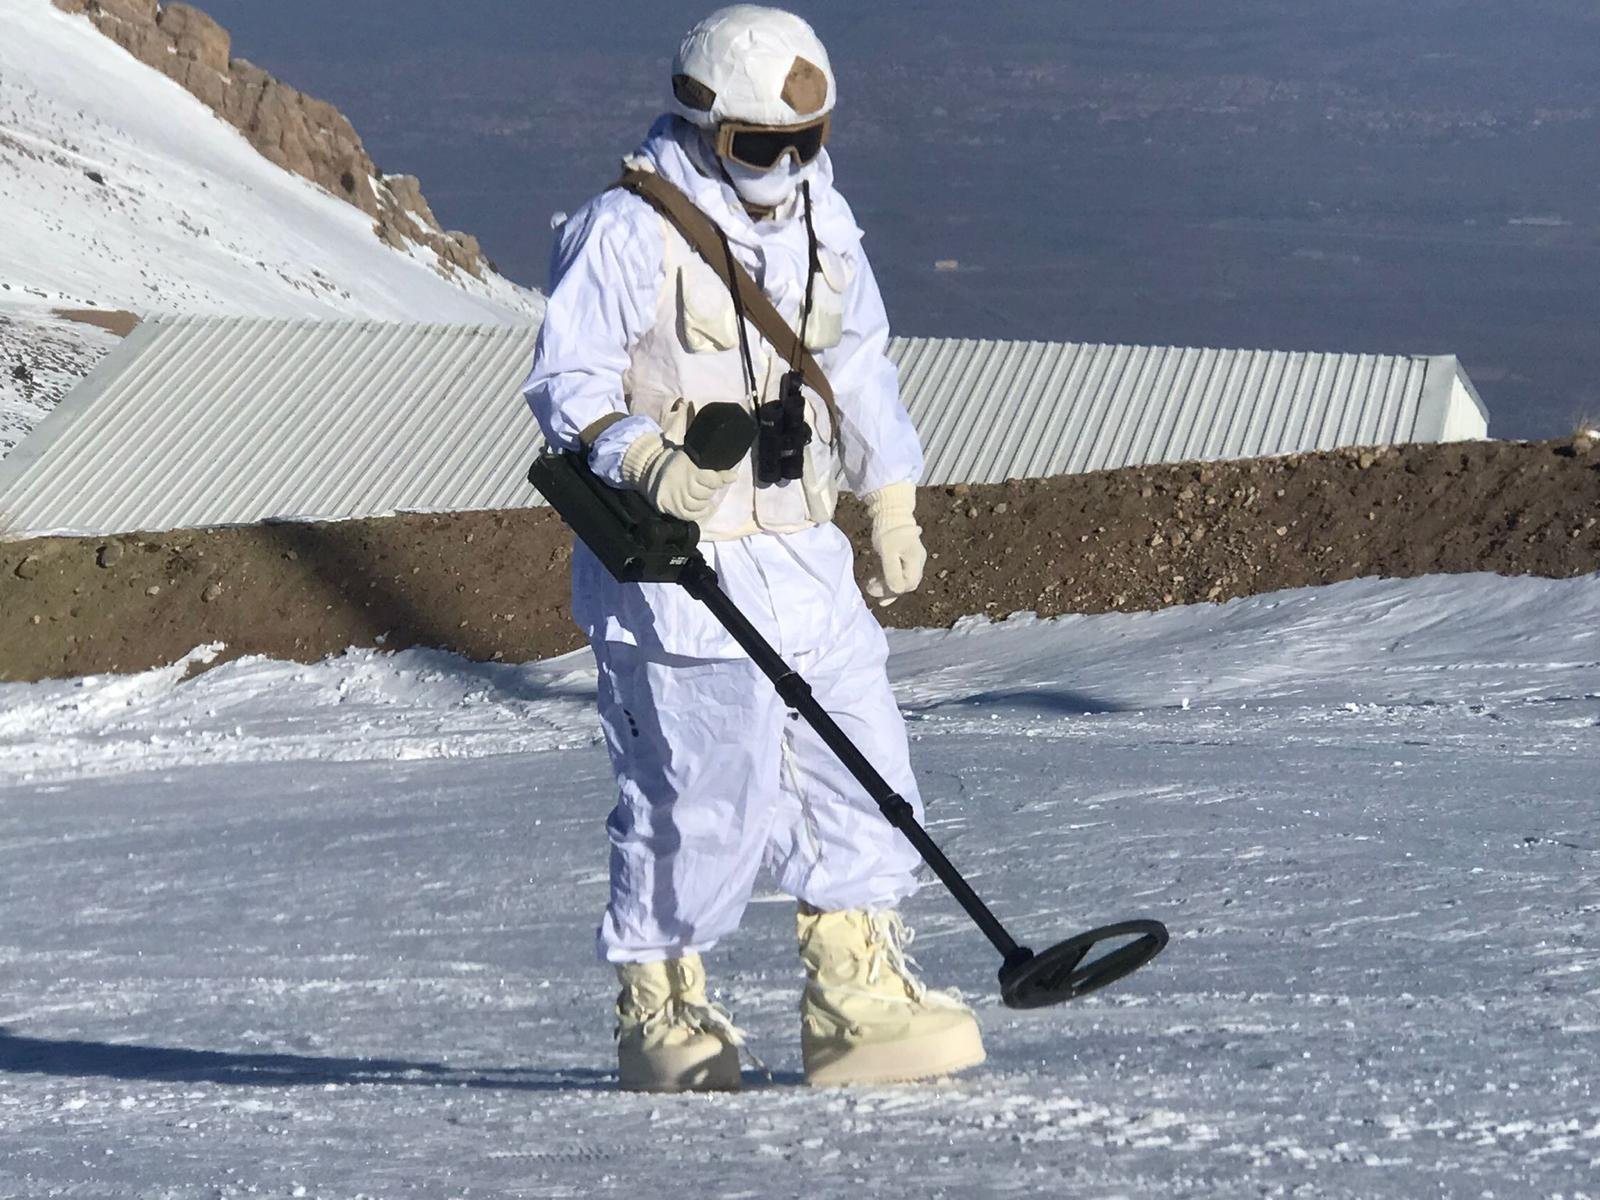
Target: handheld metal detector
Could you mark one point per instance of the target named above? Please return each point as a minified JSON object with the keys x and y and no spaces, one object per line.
{"x":637,"y":544}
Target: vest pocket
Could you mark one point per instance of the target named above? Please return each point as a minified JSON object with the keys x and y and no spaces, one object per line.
{"x":818,"y":482}
{"x":818,"y":479}
{"x":706,"y":320}
{"x":826,"y":326}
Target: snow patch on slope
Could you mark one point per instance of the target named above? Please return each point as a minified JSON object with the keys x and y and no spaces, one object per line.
{"x":118,"y":189}
{"x":362,"y":706}
{"x":1420,"y":641}
{"x":185,"y":215}
{"x":41,"y":357}
{"x":1433,"y":641}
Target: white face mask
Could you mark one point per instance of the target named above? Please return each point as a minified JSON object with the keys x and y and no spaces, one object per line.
{"x":772,"y":188}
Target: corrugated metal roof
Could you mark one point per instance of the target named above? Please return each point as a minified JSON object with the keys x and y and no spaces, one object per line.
{"x":205,"y":421}
{"x":995,"y":410}
{"x":208,"y":421}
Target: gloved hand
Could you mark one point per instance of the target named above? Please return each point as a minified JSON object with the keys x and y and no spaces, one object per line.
{"x":670,"y":480}
{"x":897,"y":540}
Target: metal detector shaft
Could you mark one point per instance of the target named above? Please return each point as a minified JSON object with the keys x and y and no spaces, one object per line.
{"x":700,"y":580}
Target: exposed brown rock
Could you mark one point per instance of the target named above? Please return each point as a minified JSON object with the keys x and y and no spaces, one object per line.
{"x":195,"y":35}
{"x":204,"y":82}
{"x":299,"y":133}
{"x":407,"y":191}
{"x":145,"y":42}
{"x":137,"y":11}
{"x":113,"y":320}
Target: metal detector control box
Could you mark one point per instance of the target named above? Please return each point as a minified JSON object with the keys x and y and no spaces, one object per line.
{"x":636,"y":543}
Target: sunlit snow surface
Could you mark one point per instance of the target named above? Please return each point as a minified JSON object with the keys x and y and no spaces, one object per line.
{"x":121,"y":190}
{"x":329,"y":927}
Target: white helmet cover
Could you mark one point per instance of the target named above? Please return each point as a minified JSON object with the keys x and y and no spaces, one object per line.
{"x":751,"y":63}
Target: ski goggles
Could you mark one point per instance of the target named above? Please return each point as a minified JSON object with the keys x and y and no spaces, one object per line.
{"x":761,"y":147}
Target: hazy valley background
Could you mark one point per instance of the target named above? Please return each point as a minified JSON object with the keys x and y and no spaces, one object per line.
{"x":1414,"y":176}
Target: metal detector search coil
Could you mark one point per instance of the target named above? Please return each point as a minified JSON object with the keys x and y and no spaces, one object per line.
{"x":1036,"y":980}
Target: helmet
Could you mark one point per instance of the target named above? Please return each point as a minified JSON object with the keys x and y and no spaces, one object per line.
{"x":748,"y":63}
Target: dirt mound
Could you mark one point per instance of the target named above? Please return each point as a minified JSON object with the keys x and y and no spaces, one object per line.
{"x":1145,"y":538}
{"x":494,"y":585}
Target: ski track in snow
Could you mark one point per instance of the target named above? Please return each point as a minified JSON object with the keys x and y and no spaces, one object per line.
{"x":326,"y":930}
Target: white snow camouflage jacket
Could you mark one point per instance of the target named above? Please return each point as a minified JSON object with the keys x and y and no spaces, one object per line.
{"x":608,"y":279}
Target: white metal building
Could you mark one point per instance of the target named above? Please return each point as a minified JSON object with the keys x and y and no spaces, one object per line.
{"x":990,"y":411}
{"x":197,"y":421}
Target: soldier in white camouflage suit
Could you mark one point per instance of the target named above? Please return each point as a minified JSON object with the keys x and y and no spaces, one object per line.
{"x":716,"y":777}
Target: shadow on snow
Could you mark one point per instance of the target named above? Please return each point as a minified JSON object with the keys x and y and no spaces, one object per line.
{"x":111,"y":1060}
{"x":1055,"y":701}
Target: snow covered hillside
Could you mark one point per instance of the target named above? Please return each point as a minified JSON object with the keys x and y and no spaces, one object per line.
{"x":118,"y":189}
{"x":325,"y":931}
{"x":41,"y":357}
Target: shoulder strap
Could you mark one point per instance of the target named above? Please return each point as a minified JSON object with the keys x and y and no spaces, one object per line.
{"x":701,"y":233}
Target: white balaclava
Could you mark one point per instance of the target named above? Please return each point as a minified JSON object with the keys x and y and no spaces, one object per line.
{"x":758,"y":65}
{"x":772,"y":188}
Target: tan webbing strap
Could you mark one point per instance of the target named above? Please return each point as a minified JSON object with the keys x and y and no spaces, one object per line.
{"x":591,"y":435}
{"x":702,"y":235}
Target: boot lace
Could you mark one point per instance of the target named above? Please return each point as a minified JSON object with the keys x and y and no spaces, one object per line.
{"x":888,"y":936}
{"x":709,"y":1017}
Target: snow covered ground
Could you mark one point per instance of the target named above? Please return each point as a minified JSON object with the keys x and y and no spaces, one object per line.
{"x":325,"y":930}
{"x":120,"y":190}
{"x":41,"y":357}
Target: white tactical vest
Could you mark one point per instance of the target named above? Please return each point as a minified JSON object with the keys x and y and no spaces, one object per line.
{"x":690,"y":358}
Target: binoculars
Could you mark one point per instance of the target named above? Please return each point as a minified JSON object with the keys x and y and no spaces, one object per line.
{"x":782,"y":433}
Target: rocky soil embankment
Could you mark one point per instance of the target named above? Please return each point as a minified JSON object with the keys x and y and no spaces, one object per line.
{"x":494,"y":585}
{"x":300,"y":133}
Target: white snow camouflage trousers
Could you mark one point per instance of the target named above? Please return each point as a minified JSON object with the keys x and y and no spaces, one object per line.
{"x":717,"y":778}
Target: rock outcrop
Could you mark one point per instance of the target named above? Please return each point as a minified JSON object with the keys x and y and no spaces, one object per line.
{"x":299,"y":133}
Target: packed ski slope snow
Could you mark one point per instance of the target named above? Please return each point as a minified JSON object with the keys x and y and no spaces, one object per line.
{"x":325,"y":930}
{"x":118,"y":189}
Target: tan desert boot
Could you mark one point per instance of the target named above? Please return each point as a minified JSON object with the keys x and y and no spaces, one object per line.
{"x":670,"y":1038}
{"x":864,"y":1016}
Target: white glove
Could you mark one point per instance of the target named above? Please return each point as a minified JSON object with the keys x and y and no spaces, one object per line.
{"x":669,"y":479}
{"x":897,"y":540}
